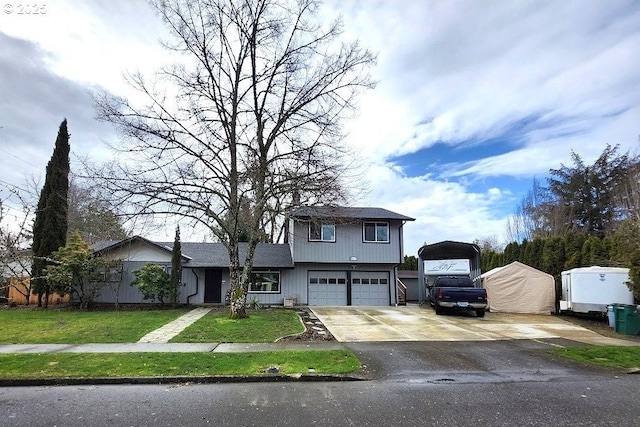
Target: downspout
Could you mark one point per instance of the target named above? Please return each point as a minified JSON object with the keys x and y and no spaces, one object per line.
{"x":395,"y":267}
{"x":197,"y":285}
{"x":421,"y":285}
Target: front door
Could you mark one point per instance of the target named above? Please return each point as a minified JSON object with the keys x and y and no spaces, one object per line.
{"x":213,"y":286}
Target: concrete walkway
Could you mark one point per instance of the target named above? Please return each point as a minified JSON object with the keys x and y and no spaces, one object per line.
{"x":171,"y":329}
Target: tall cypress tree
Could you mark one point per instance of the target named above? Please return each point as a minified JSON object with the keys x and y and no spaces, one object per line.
{"x":176,"y":268}
{"x":50,"y":225}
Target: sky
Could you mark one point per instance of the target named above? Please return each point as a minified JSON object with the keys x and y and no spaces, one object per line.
{"x":474,"y":99}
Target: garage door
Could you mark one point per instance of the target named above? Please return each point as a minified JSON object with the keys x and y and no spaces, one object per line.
{"x":327,"y":288}
{"x":369,"y":288}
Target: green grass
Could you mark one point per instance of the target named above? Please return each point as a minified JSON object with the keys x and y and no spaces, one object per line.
{"x":606,"y":356}
{"x":85,"y":365}
{"x":72,"y":327}
{"x":262,"y":325}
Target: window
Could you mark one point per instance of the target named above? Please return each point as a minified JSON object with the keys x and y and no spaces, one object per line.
{"x":108,"y":272}
{"x":322,"y":232}
{"x":265,"y":281}
{"x":376,"y":232}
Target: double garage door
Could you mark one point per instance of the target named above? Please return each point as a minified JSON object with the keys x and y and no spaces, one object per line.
{"x":331,"y":288}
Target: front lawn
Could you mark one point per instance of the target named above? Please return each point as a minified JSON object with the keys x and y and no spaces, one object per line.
{"x":113,"y":365}
{"x":26,"y":326}
{"x":606,"y":356}
{"x":261,"y":325}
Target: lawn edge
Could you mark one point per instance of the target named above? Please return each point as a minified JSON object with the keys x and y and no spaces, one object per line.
{"x":184,"y":380}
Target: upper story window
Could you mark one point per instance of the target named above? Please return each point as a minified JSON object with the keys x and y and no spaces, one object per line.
{"x":377,"y":232}
{"x":319,"y":232}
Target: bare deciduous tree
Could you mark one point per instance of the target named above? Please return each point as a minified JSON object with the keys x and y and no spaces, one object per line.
{"x":15,"y":242}
{"x":91,"y":214}
{"x":251,"y":116}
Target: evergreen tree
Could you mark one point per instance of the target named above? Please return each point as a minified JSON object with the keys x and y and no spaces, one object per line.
{"x":50,"y":225}
{"x":537,"y":246}
{"x":410,"y":263}
{"x":573,"y":242}
{"x":511,"y":252}
{"x":594,"y":252}
{"x":176,"y":269}
{"x":553,"y":257}
{"x":77,"y":272}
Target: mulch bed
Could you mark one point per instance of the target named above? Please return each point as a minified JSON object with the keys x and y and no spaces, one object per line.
{"x":314,"y":329}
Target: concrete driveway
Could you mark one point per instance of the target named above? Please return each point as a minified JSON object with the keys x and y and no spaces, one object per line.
{"x":415,"y":323}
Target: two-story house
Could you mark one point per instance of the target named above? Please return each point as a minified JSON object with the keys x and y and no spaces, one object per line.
{"x":346,"y":256}
{"x":333,"y":256}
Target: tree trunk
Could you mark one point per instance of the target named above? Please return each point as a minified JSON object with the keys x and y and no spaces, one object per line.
{"x":238,"y":291}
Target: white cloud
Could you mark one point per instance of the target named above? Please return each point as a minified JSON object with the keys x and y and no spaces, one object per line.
{"x":443,"y":210}
{"x":458,"y":72}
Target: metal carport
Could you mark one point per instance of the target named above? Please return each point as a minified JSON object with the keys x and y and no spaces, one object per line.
{"x":448,"y":250}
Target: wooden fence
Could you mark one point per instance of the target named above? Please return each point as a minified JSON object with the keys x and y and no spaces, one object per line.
{"x":19,"y":286}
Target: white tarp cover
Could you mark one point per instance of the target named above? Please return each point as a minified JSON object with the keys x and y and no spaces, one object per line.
{"x":518,"y":288}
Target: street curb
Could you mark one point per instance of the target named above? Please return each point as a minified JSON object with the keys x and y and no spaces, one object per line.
{"x":177,"y":380}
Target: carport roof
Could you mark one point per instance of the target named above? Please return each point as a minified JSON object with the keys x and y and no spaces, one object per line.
{"x":449,"y":250}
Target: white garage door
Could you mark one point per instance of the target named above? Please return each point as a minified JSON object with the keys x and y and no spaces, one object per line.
{"x":327,"y":288}
{"x":369,"y":288}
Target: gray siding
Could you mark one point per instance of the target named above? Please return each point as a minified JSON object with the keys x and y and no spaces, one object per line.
{"x":127,"y":294}
{"x":349,"y":243}
{"x":193,"y":282}
{"x":190,"y":285}
{"x":297,"y":283}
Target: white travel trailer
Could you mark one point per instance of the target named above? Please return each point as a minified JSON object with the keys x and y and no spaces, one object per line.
{"x":591,"y":289}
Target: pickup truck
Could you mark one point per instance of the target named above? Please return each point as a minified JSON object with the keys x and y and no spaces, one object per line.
{"x":457,"y":293}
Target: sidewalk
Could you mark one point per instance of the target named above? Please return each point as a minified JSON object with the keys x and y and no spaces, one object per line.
{"x":169,"y":347}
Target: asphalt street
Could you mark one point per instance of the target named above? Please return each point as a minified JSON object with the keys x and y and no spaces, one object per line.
{"x":510,"y":383}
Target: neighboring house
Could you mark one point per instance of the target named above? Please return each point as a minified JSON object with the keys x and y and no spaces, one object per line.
{"x":15,"y":271}
{"x":334,"y":256}
{"x":409,"y":280}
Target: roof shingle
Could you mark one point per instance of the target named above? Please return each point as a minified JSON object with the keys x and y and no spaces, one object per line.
{"x":347,"y":212}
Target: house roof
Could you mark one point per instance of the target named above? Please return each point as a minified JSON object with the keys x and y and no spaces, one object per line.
{"x":408,"y":274}
{"x":336,"y":212}
{"x":267,"y":255}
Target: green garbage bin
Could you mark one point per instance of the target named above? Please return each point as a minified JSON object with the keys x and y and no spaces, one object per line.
{"x":627,"y":319}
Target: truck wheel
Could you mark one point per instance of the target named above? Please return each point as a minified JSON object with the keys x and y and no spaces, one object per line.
{"x":439,"y":310}
{"x":480,"y":313}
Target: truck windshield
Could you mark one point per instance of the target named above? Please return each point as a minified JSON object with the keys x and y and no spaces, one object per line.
{"x":458,"y":282}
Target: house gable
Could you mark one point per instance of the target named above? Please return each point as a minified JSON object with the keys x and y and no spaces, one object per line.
{"x":137,"y":249}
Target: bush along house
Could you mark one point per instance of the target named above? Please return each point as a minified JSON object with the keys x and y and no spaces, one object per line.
{"x":334,"y":256}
